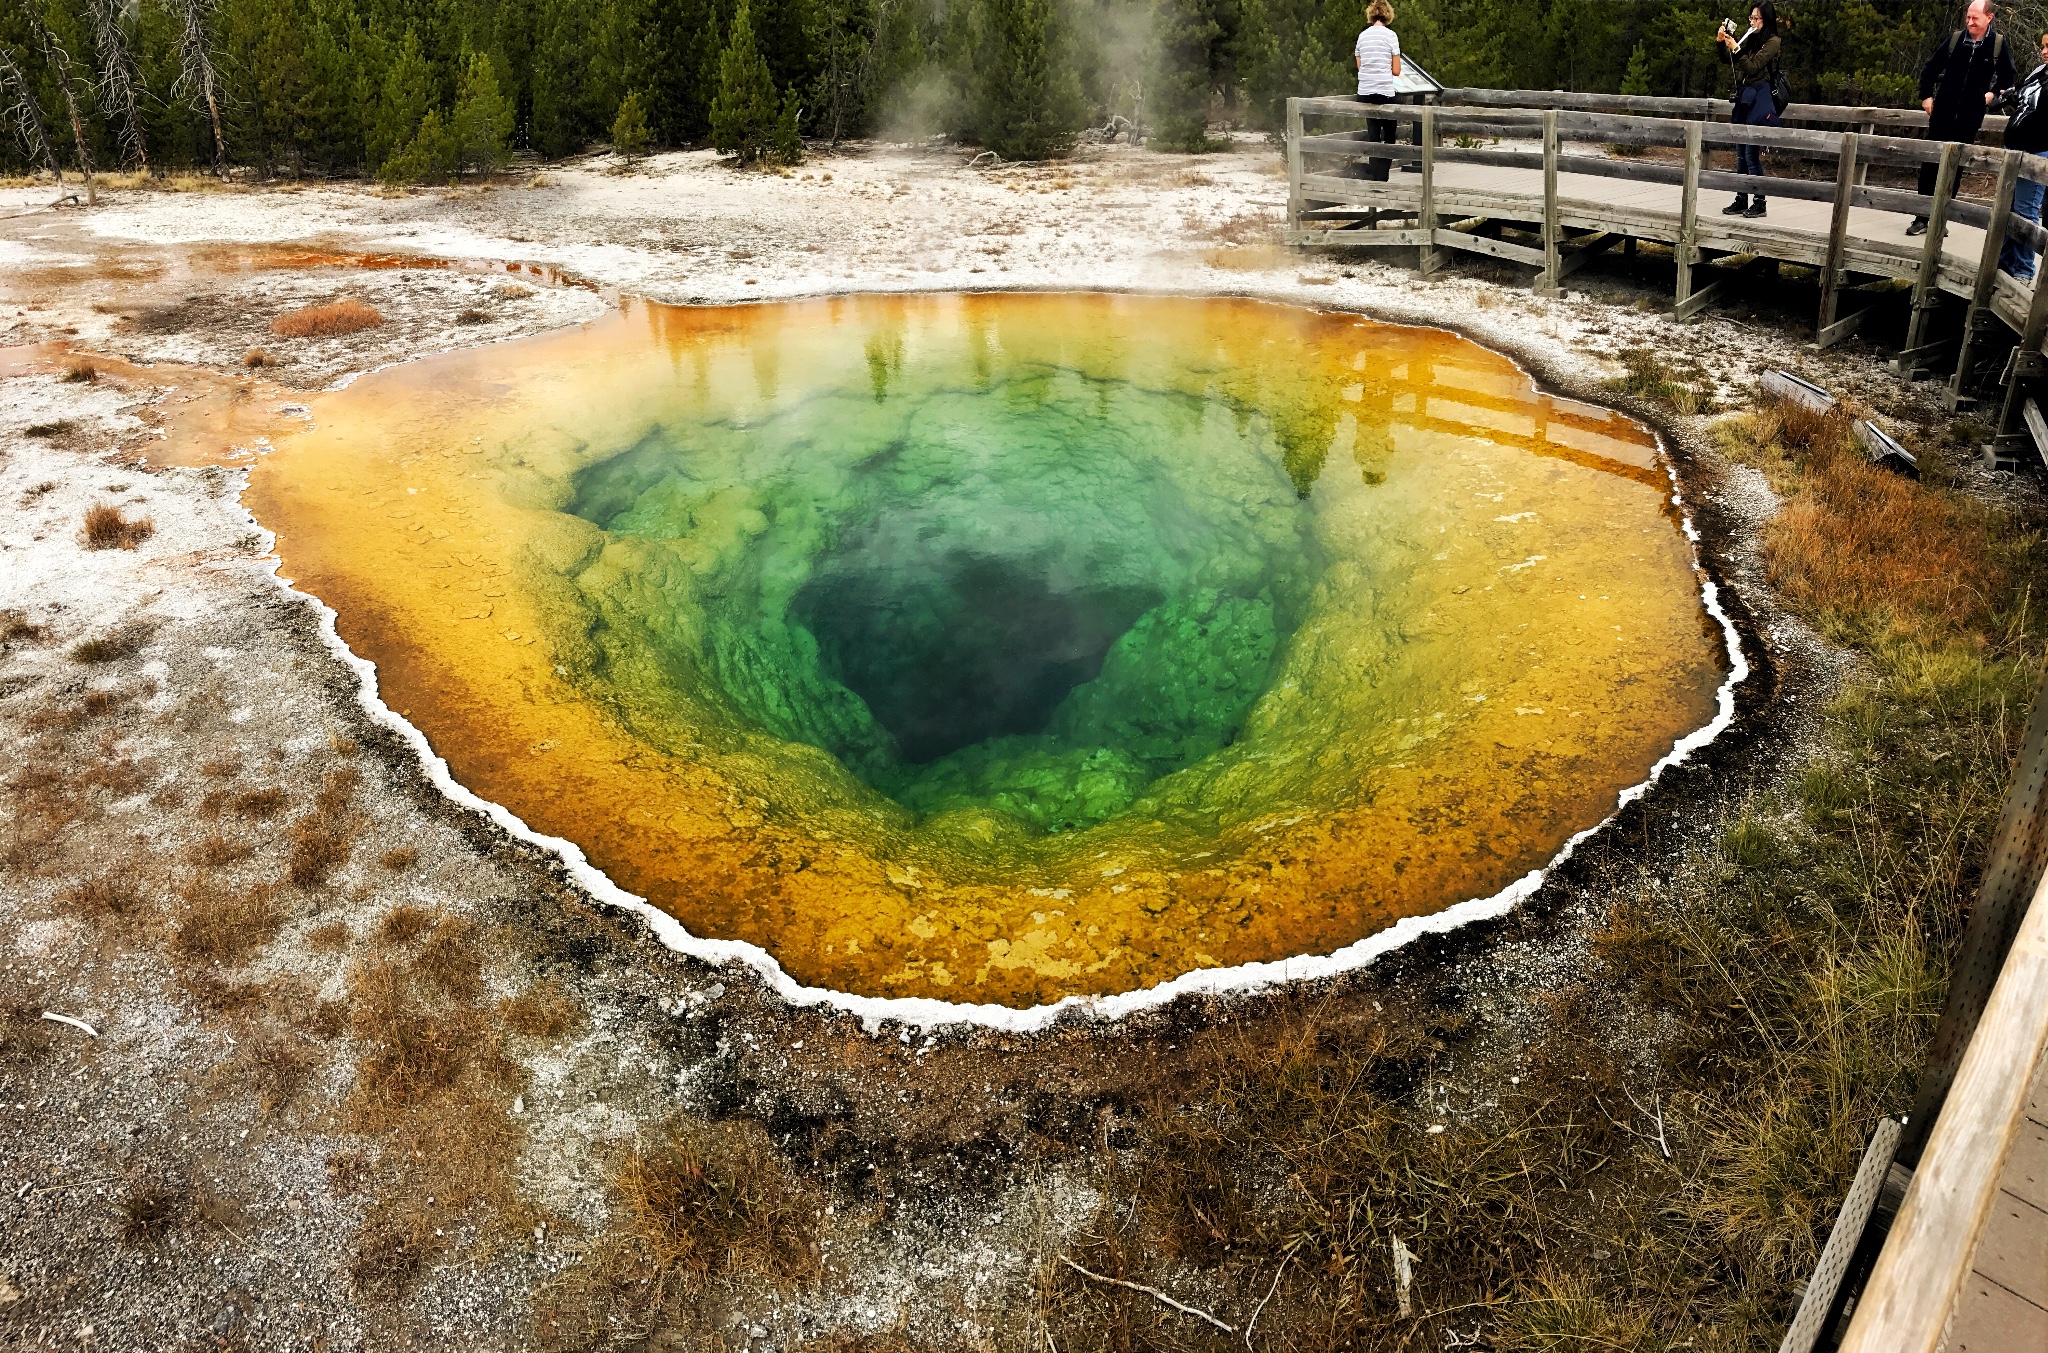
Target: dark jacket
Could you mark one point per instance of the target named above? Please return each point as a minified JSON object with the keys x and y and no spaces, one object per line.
{"x":2027,"y":129}
{"x":1755,"y":64}
{"x":1958,"y":76}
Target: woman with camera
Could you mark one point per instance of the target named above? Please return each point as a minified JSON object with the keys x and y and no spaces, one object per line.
{"x":1755,"y":56}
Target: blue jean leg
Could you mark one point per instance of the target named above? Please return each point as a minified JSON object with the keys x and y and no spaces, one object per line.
{"x":1749,"y":160}
{"x":2015,"y":257}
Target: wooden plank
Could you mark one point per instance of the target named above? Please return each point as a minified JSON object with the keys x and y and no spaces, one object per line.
{"x":1354,"y":147}
{"x":2037,"y":428}
{"x":1547,"y":282}
{"x":1926,"y":292}
{"x":1987,"y":273}
{"x":2027,"y":232}
{"x":1368,"y":192}
{"x":1294,"y":197}
{"x":2037,"y":311}
{"x":1798,"y":190}
{"x":1911,"y":1296}
{"x":1842,"y":328}
{"x":1689,"y":212}
{"x":1359,"y":239}
{"x":1811,"y":1318}
{"x":1828,"y":144}
{"x":1481,"y":244}
{"x":1427,"y":259}
{"x":1583,"y":252}
{"x":1838,"y":227}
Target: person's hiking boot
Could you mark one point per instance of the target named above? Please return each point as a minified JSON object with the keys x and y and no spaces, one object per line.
{"x":1756,"y":206}
{"x":1919,"y":226}
{"x":1739,"y":207}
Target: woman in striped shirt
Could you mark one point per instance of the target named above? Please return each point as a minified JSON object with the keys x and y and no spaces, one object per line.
{"x":1378,"y":56}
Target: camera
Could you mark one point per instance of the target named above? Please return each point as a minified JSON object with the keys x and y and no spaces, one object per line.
{"x":1728,"y":27}
{"x":2008,"y":99}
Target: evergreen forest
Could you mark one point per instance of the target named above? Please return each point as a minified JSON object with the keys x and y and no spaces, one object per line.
{"x":423,"y":90}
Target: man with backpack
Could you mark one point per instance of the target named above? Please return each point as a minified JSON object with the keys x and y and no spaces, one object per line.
{"x":1959,"y":82}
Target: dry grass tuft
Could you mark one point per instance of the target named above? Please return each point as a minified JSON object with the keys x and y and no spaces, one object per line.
{"x":217,"y":850}
{"x":221,"y":768}
{"x":151,"y":1212}
{"x":472,"y":315}
{"x":320,"y":845}
{"x":1864,"y":551}
{"x":106,"y":529}
{"x":261,"y":804}
{"x":543,"y":1010}
{"x":701,"y":1204}
{"x":278,"y":1068}
{"x":114,"y":893}
{"x":78,"y":371}
{"x":112,"y":646}
{"x":226,"y":926}
{"x":327,"y":321}
{"x":17,"y":628}
{"x":329,"y":937}
{"x":257,"y":358}
{"x":399,"y":858}
{"x":52,"y":429}
{"x":405,"y":923}
{"x":451,"y":960}
{"x":1650,"y":378}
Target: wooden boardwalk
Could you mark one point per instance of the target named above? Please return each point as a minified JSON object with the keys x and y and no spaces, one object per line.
{"x":1941,"y":1244}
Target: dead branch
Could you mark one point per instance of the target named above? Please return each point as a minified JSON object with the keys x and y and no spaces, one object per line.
{"x":118,"y":75}
{"x":28,"y":118}
{"x":1657,"y":1118}
{"x":1154,"y":1293}
{"x":61,"y":65}
{"x":1253,"y":1323}
{"x":198,"y":83}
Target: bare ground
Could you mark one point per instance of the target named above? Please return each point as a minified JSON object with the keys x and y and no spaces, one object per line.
{"x":363,"y":1070}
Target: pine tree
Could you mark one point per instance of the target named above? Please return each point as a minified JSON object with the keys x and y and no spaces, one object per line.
{"x":406,"y":96}
{"x":1637,"y":78}
{"x":1024,"y":99}
{"x":1181,"y":90}
{"x":630,"y":136}
{"x":432,"y":155}
{"x":744,"y":111}
{"x":481,"y":125}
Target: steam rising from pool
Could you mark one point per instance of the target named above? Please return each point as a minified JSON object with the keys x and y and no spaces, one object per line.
{"x":1000,"y":648}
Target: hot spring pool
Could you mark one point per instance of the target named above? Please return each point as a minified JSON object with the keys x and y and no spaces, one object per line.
{"x":1000,"y":648}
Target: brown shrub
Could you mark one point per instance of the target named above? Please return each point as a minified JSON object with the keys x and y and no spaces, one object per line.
{"x":327,"y":321}
{"x":404,"y":923}
{"x":24,"y":1033}
{"x":226,"y":927}
{"x":53,"y":429}
{"x":398,"y":858}
{"x":346,"y":1171}
{"x":221,"y":768}
{"x":472,"y":316}
{"x":543,"y":1010}
{"x":106,"y":529}
{"x":78,"y":371}
{"x":256,"y":358}
{"x":119,"y":776}
{"x":112,"y":646}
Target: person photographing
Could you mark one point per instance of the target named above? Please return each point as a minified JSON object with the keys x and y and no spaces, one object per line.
{"x":1959,"y":83}
{"x":1755,"y":58}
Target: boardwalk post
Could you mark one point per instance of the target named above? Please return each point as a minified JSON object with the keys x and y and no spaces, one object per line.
{"x":1927,"y":287}
{"x":1825,"y":328}
{"x":1987,"y":273}
{"x":1294,"y":164}
{"x":1688,"y":214}
{"x":1427,"y":259}
{"x":1547,"y":283}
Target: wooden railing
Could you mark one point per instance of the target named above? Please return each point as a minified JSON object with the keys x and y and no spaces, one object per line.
{"x":1524,"y":218}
